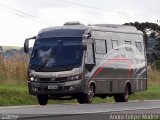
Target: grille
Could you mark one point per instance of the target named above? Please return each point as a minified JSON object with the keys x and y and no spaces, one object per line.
{"x":61,"y":79}
{"x":44,"y":79}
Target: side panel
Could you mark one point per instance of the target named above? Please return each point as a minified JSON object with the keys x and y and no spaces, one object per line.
{"x":124,"y":63}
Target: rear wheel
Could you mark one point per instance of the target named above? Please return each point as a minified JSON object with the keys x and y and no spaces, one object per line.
{"x":42,"y":99}
{"x":86,"y":98}
{"x":122,"y":97}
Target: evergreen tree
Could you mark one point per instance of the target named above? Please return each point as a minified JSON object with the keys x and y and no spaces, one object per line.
{"x":155,"y":28}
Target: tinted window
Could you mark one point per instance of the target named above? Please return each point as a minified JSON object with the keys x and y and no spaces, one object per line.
{"x":57,"y":52}
{"x":101,"y":47}
{"x":139,"y":46}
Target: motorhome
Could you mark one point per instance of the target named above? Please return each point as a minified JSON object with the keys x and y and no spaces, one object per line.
{"x":86,"y":61}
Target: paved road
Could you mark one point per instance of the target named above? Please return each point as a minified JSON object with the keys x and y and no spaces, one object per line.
{"x":79,"y":112}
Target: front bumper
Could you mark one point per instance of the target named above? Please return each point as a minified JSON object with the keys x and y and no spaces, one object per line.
{"x":63,"y":88}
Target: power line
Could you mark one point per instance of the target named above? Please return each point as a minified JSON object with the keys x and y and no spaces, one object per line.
{"x":27,"y":16}
{"x":98,"y":10}
{"x":105,"y":10}
{"x":77,"y":4}
{"x":56,"y":5}
{"x":83,"y":5}
{"x":42,"y":21}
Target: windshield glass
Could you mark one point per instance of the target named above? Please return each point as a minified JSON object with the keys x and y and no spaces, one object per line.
{"x":55,"y":53}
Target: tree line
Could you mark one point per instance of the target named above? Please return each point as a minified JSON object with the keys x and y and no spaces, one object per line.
{"x":153,"y":28}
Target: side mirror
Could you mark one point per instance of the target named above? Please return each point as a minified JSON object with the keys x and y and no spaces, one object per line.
{"x":26,"y":46}
{"x":88,"y":35}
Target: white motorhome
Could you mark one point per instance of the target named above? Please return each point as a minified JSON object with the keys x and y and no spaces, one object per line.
{"x":86,"y":61}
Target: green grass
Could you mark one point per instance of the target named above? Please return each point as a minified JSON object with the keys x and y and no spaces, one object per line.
{"x":12,"y":94}
{"x":150,"y":119}
{"x":17,"y":94}
{"x":153,"y":92}
{"x":14,"y":90}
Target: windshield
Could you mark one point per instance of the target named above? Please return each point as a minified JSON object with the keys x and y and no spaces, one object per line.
{"x":54,"y":54}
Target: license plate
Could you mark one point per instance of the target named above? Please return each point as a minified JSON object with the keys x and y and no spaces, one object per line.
{"x":52,"y":87}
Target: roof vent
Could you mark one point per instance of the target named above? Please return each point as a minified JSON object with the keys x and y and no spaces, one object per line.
{"x":73,"y":23}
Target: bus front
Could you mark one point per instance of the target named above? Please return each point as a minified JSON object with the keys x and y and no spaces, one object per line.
{"x":56,"y":63}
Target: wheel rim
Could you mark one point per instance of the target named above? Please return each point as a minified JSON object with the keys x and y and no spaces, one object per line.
{"x":90,"y":93}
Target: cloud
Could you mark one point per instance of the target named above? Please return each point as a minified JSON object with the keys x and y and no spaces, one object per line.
{"x":62,"y":15}
{"x":14,"y":28}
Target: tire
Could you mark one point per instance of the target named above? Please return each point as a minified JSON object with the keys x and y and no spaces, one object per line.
{"x":42,"y":99}
{"x":122,"y":97}
{"x":86,"y":98}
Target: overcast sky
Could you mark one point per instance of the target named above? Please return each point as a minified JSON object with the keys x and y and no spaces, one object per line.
{"x":20,"y":19}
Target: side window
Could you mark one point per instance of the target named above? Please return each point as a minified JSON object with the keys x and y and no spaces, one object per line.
{"x":128,"y":45}
{"x":114,"y":44}
{"x":139,"y":46}
{"x":101,"y":46}
{"x":90,"y":54}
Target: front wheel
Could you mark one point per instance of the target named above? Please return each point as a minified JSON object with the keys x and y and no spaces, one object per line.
{"x":86,"y":98}
{"x":122,"y":97}
{"x":42,"y":99}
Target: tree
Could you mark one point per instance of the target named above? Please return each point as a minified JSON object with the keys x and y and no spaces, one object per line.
{"x":150,"y":30}
{"x":148,"y":26}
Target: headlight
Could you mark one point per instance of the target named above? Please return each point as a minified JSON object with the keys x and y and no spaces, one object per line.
{"x":72,"y":77}
{"x":76,"y":77}
{"x":32,"y":79}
